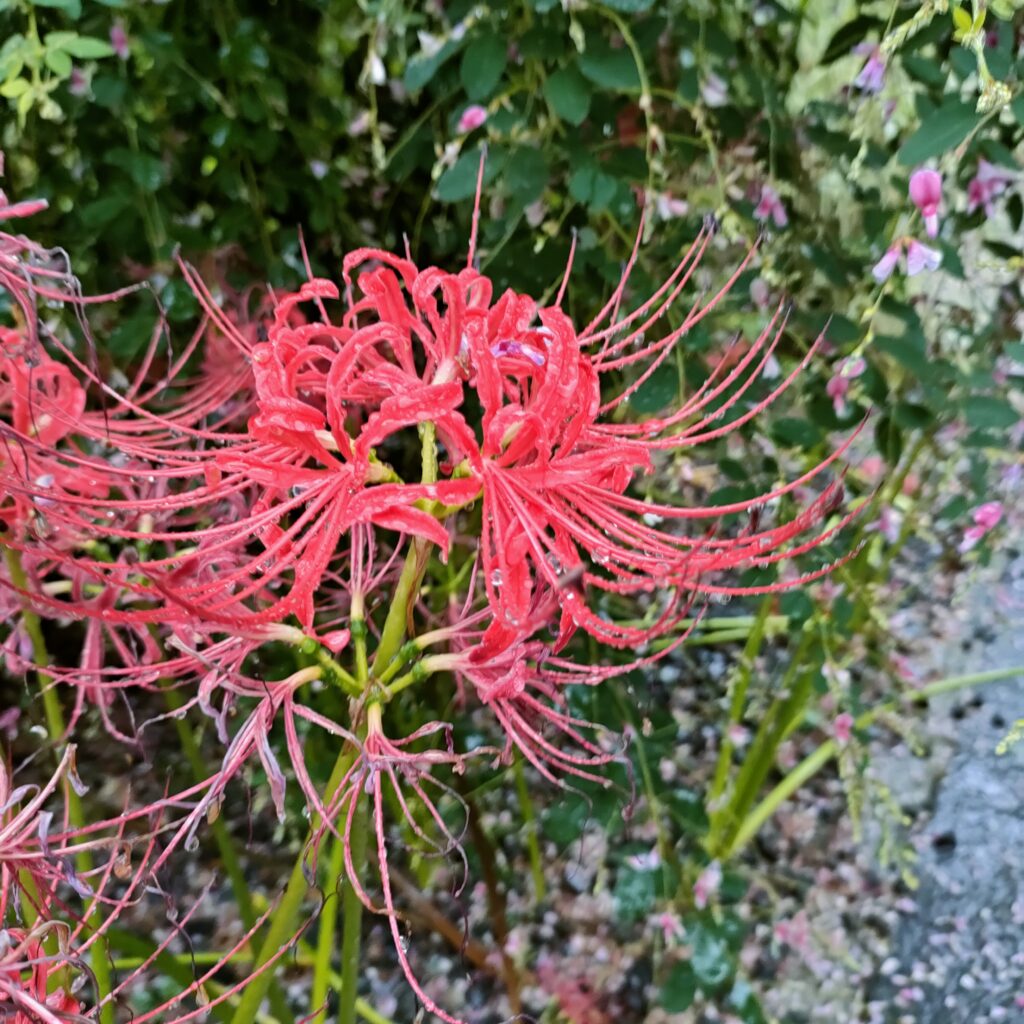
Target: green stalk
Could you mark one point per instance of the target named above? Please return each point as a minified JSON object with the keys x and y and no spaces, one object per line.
{"x":530,"y":827}
{"x":817,"y":759}
{"x":325,"y":938}
{"x":285,"y":916}
{"x":389,"y":647}
{"x":352,"y":926}
{"x":393,"y":633}
{"x":99,"y":956}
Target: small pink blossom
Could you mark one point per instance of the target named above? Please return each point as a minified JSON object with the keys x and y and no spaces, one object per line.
{"x":738,"y":735}
{"x":926,"y":195}
{"x":921,"y":257}
{"x":839,"y":385}
{"x":872,"y":75}
{"x":989,"y":514}
{"x":889,"y":522}
{"x":669,"y":207}
{"x":910,"y":994}
{"x":360,"y":124}
{"x":78,"y":84}
{"x":904,"y":668}
{"x":119,"y":40}
{"x":771,"y":205}
{"x":714,"y":91}
{"x":376,"y":72}
{"x":708,"y":883}
{"x":472,"y":118}
{"x":842,"y":727}
{"x":649,"y":861}
{"x":794,"y":932}
{"x":887,"y":264}
{"x":986,"y":517}
{"x":671,"y":927}
{"x":988,"y":182}
{"x":760,"y":293}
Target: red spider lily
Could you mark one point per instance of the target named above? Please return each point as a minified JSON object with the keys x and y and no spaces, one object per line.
{"x":552,"y":470}
{"x":190,"y":523}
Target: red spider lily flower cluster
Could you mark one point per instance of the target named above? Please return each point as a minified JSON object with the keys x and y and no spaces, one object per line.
{"x":193,"y":517}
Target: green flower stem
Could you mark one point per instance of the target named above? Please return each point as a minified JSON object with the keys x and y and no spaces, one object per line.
{"x":325,"y":938}
{"x":352,"y":925}
{"x":286,"y":914}
{"x":390,"y":647}
{"x":99,"y":957}
{"x":393,"y":633}
{"x":530,"y":826}
{"x":816,"y":760}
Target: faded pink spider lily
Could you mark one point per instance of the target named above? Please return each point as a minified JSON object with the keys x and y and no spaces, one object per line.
{"x":26,"y":850}
{"x":32,"y":981}
{"x":394,"y":771}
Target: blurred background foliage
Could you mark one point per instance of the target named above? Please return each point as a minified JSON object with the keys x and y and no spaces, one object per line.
{"x":222,"y":128}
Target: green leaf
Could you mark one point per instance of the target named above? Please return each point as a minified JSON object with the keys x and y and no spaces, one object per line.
{"x":459,"y":181}
{"x":795,"y":433}
{"x":1015,"y":350}
{"x":925,"y":69}
{"x":58,"y":62}
{"x":569,"y":94}
{"x":87,"y":48}
{"x":146,"y":170}
{"x":593,"y":188}
{"x":939,"y":131}
{"x":635,"y":893}
{"x":686,"y":807}
{"x":482,"y":66}
{"x":988,"y":412}
{"x":608,"y":67}
{"x":422,"y":68}
{"x":679,"y":990}
{"x":102,"y":211}
{"x":710,"y":960}
{"x":73,"y":7}
{"x":14,"y":88}
{"x":543,"y":6}
{"x":629,"y":6}
{"x":526,"y":173}
{"x":661,"y":388}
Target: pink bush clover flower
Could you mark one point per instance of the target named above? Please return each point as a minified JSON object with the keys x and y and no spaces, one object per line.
{"x":988,"y":182}
{"x":771,"y":205}
{"x":472,"y":118}
{"x":986,"y":518}
{"x":926,"y":195}
{"x":872,"y":75}
{"x":919,"y":257}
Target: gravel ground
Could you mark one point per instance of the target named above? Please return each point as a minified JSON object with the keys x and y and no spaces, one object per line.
{"x":921,"y":919}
